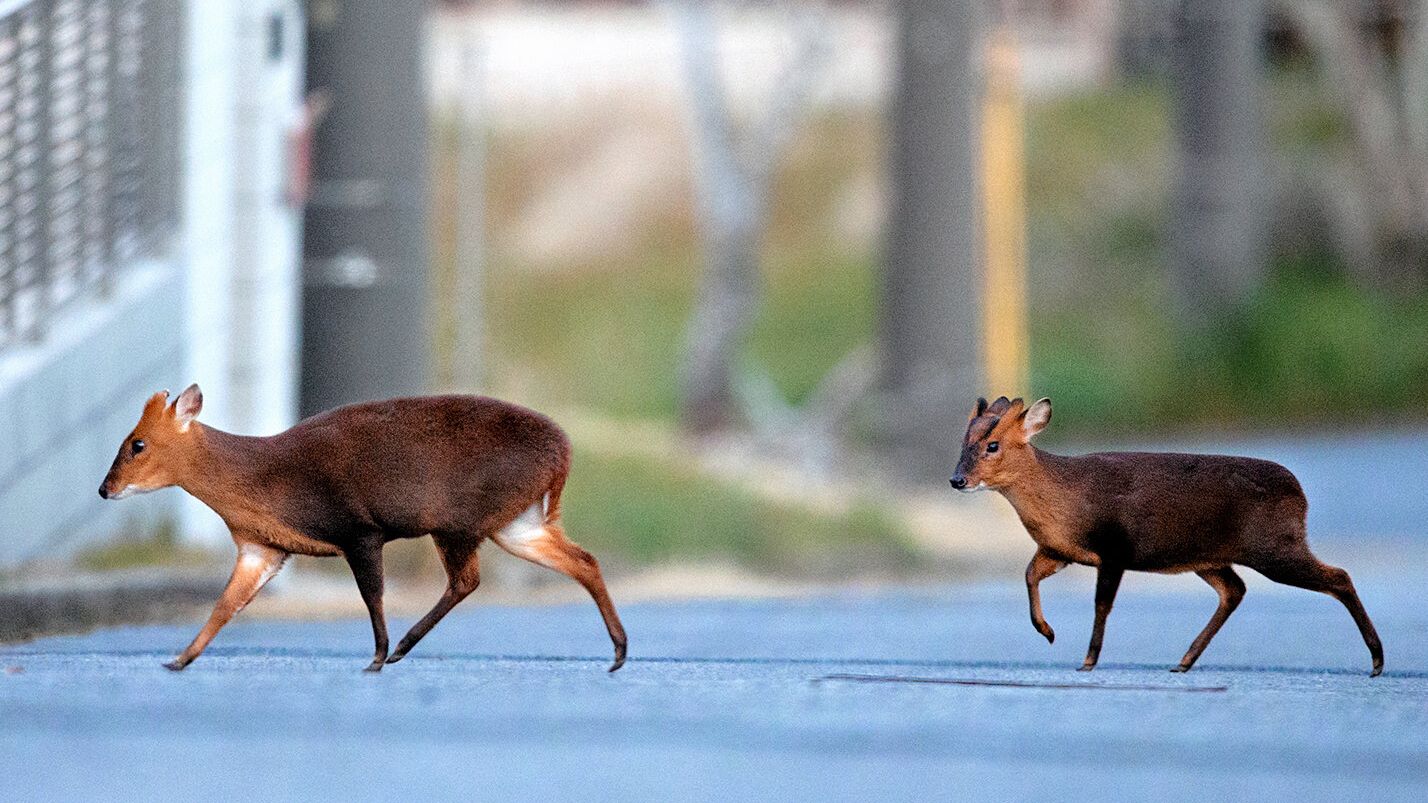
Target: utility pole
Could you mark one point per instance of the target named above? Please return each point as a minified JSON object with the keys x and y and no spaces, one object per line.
{"x":932,"y":311}
{"x":365,"y":243}
{"x":1005,"y":326}
{"x":1218,"y":229}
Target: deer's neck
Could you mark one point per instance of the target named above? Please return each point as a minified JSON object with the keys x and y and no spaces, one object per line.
{"x":224,"y":470}
{"x":1040,"y":494}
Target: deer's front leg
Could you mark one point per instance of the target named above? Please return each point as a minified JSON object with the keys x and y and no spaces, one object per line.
{"x":255,"y":567}
{"x":1108,"y":580}
{"x":1041,"y":567}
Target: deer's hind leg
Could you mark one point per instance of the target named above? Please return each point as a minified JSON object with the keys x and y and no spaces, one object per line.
{"x":460,"y":558}
{"x":534,"y":538}
{"x":1231,"y":589}
{"x":364,"y":557}
{"x":1297,"y":566}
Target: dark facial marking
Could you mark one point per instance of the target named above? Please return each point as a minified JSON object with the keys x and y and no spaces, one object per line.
{"x":980,"y":428}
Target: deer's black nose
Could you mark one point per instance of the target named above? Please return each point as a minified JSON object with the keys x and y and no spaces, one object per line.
{"x":103,"y":492}
{"x":958,"y":482}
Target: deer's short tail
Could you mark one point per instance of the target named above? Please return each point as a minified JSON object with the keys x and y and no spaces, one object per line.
{"x":552,"y":501}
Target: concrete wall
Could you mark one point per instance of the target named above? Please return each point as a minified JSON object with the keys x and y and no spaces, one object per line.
{"x":223,"y":311}
{"x":242,"y":237}
{"x":67,"y":403}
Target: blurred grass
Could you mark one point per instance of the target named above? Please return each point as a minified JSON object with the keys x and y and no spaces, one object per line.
{"x":143,"y":547}
{"x":652,"y":512}
{"x":1310,"y":349}
{"x":1105,"y":343}
{"x":606,"y":335}
{"x":610,"y":340}
{"x":1104,"y":340}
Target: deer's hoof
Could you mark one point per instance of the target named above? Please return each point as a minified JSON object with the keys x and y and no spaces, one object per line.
{"x":1086,"y":667}
{"x":375,"y":666}
{"x":175,"y":665}
{"x":1181,"y":668}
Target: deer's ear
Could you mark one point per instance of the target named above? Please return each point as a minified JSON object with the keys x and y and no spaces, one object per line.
{"x":187,"y":407}
{"x":1036,"y":417}
{"x":979,"y":409}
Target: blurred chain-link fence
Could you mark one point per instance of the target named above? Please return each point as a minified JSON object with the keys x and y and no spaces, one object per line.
{"x":89,"y":148}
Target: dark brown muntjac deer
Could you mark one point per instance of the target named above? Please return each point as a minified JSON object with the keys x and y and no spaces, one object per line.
{"x":1141,"y":511}
{"x":462,"y":469}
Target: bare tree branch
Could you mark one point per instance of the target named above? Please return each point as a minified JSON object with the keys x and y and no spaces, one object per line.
{"x":721,"y":181}
{"x":733,"y":177}
{"x":1414,"y":97}
{"x":769,"y":140}
{"x":1386,"y":106}
{"x":1331,"y":33}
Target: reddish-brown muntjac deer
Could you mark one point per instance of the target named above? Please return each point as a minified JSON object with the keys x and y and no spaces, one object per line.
{"x":461,"y":469}
{"x":1141,"y":511}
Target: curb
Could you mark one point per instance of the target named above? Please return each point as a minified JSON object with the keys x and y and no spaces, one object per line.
{"x":90,"y":602}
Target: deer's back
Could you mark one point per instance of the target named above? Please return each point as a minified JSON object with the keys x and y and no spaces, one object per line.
{"x":419,"y":465}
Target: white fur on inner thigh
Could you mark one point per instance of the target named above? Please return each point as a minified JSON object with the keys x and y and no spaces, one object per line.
{"x":523,"y":533}
{"x":260,"y":559}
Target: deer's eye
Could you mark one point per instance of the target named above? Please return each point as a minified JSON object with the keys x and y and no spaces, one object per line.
{"x":137,"y":446}
{"x":993,"y":447}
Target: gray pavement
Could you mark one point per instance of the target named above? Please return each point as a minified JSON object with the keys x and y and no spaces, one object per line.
{"x":730,"y":700}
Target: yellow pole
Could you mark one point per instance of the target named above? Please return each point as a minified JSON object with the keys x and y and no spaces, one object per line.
{"x":1004,"y":307}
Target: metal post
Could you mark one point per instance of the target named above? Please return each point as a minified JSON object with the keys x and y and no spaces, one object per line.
{"x":29,"y":152}
{"x":113,"y":144}
{"x":1218,"y":232}
{"x":468,"y":346}
{"x":365,"y":298}
{"x":10,"y":255}
{"x":161,"y":23}
{"x":44,"y":13}
{"x":95,"y":52}
{"x":65,"y":153}
{"x":121,"y":218}
{"x":1005,"y":337}
{"x":931,"y":318}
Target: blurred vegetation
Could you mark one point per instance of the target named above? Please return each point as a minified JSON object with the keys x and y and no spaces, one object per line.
{"x":604,"y":334}
{"x":610,"y":340}
{"x":1105,"y":343}
{"x":143,"y":547}
{"x":1308,"y":347}
{"x":652,"y":512}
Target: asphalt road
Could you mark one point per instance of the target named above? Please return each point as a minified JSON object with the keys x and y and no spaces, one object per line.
{"x":735,"y":700}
